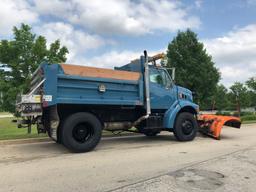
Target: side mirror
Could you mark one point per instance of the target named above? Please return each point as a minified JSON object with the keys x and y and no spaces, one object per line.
{"x":172,"y":72}
{"x":164,"y":61}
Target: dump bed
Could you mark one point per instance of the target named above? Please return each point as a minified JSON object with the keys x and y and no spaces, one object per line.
{"x":73,"y":84}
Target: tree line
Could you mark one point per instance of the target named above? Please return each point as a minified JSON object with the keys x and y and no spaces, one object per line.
{"x":195,"y":70}
{"x":239,"y":95}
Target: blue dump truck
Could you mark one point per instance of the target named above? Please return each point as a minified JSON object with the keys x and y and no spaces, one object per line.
{"x":73,"y":104}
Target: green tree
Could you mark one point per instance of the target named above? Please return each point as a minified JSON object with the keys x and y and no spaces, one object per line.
{"x":239,"y":96}
{"x":221,"y":100}
{"x":251,"y":83}
{"x":1,"y":93}
{"x":19,"y":57}
{"x":252,"y":97}
{"x":194,"y":66}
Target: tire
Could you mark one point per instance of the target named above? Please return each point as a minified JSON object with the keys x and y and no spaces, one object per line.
{"x":185,"y":128}
{"x":151,"y":133}
{"x":81,"y":132}
{"x":59,"y":131}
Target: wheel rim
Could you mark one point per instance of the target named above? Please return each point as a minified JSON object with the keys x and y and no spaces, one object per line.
{"x":187,"y":127}
{"x":82,"y":132}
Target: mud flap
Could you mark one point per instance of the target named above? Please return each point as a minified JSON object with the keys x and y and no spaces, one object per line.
{"x":211,"y":125}
{"x":54,"y":122}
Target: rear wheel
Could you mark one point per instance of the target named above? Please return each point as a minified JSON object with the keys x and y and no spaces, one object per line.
{"x":185,"y":128}
{"x":81,"y":132}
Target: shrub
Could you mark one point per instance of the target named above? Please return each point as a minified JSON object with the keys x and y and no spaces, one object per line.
{"x":245,"y":113}
{"x":224,"y":113}
{"x":248,"y":118}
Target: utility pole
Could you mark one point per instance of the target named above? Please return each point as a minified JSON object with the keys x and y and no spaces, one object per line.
{"x":238,"y":104}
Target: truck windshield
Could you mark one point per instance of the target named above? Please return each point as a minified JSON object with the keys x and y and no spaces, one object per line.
{"x":160,"y":76}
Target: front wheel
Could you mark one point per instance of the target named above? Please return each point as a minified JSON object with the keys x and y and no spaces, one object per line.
{"x":185,"y":128}
{"x":81,"y":132}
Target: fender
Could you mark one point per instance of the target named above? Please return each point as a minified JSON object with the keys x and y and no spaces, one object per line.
{"x":172,"y":112}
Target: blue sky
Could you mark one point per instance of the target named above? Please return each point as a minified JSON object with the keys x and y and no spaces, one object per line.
{"x":107,"y":33}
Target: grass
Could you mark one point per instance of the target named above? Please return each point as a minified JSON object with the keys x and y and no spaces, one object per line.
{"x":248,"y":118}
{"x":249,"y":122}
{"x":9,"y":130}
{"x":5,"y":113}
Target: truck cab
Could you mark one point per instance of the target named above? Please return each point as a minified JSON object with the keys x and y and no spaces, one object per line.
{"x":73,"y":104}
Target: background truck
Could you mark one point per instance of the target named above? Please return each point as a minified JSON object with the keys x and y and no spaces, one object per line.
{"x":73,"y":104}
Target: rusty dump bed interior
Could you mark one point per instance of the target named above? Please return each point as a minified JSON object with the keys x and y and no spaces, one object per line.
{"x":86,"y":71}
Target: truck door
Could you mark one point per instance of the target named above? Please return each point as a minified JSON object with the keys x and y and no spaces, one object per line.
{"x":162,"y":89}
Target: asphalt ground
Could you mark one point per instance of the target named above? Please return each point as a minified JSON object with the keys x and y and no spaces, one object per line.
{"x":134,"y":163}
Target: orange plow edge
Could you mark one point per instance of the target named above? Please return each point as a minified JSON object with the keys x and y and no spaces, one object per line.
{"x":211,"y":125}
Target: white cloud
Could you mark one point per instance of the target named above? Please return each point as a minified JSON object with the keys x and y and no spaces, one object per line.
{"x":164,"y":15}
{"x":77,"y":41}
{"x":53,"y":7}
{"x":235,"y":54}
{"x":114,"y":58}
{"x":121,"y":17}
{"x":13,"y":13}
{"x":198,"y":3}
{"x":71,"y":20}
{"x":251,"y":2}
{"x":109,"y":17}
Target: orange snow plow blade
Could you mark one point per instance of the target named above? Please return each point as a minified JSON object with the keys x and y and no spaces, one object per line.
{"x":211,"y":125}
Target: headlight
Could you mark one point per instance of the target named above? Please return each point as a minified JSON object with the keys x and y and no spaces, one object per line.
{"x":182,"y":96}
